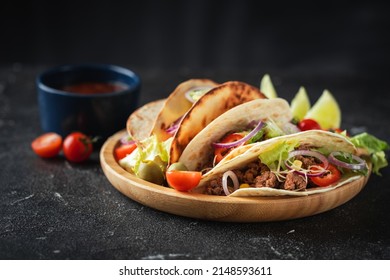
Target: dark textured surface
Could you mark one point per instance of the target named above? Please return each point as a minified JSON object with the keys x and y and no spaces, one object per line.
{"x":51,"y":209}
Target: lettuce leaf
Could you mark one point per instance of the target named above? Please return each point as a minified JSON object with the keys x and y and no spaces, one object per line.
{"x":149,"y":149}
{"x":275,"y":155}
{"x":272,"y":130}
{"x":375,"y":147}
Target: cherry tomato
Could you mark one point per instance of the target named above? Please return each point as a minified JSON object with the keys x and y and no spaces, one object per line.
{"x":124,"y":150}
{"x":47,"y":145}
{"x":308,"y":124}
{"x":183,"y":180}
{"x":330,"y":177}
{"x":220,"y":153}
{"x":77,"y":147}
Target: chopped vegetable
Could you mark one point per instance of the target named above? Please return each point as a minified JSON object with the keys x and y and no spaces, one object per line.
{"x":332,"y":175}
{"x":47,"y":145}
{"x":347,"y":160}
{"x":242,"y":140}
{"x":127,"y":139}
{"x":174,"y":126}
{"x":374,"y":147}
{"x":277,"y":153}
{"x":221,"y":152}
{"x":183,"y":180}
{"x":149,"y":149}
{"x":123,"y":150}
{"x":309,"y":172}
{"x":229,"y":174}
{"x":272,"y":129}
{"x":196,"y":93}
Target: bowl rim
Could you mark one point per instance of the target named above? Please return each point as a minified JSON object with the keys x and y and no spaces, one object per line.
{"x":88,"y":66}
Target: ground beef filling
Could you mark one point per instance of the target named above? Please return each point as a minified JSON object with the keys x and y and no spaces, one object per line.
{"x":258,"y":175}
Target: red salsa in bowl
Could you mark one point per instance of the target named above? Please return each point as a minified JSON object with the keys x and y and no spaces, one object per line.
{"x":95,"y":99}
{"x":94,"y":87}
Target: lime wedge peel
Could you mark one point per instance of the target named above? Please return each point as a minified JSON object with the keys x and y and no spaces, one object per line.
{"x":300,"y":104}
{"x":267,"y":87}
{"x":326,"y":111}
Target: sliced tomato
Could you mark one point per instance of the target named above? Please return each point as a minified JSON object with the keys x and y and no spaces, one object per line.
{"x":220,"y":153}
{"x":124,"y":150}
{"x":330,"y":177}
{"x":308,"y":124}
{"x":47,"y":145}
{"x":183,"y":180}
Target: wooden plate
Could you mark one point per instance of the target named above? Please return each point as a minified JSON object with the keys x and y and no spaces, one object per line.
{"x":218,"y":208}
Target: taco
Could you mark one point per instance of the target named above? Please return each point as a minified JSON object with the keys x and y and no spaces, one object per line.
{"x":140,"y":123}
{"x":177,"y":104}
{"x":167,"y":140}
{"x":240,"y":127}
{"x":211,"y":105}
{"x":298,"y":164}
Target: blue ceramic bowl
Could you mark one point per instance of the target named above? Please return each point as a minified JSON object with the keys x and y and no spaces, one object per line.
{"x":95,"y":114}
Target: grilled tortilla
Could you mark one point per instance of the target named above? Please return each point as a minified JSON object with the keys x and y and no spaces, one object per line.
{"x":211,"y":105}
{"x":313,"y":138}
{"x":198,"y":151}
{"x":140,"y":123}
{"x":176,"y":105}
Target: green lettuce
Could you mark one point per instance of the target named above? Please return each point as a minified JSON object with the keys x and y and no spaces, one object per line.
{"x":275,"y":155}
{"x":272,"y":130}
{"x":375,"y":147}
{"x":149,"y":149}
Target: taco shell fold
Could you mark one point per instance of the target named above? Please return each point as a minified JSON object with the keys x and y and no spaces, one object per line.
{"x":211,"y":105}
{"x":140,"y":123}
{"x":176,"y":105}
{"x":200,"y":148}
{"x":313,"y":138}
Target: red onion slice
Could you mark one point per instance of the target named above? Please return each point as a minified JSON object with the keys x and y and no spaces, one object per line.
{"x":234,"y":178}
{"x":174,"y":126}
{"x":172,"y":129}
{"x":229,"y":145}
{"x":126,"y":140}
{"x":359,"y":165}
{"x":309,"y":172}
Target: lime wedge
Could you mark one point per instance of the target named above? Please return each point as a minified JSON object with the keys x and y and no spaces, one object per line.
{"x":300,"y":104}
{"x":326,"y":112}
{"x":267,"y":87}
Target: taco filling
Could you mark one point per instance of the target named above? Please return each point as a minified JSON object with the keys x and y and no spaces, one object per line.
{"x":297,"y":164}
{"x":256,"y":131}
{"x":175,"y":126}
{"x":293,"y":169}
{"x":236,"y":130}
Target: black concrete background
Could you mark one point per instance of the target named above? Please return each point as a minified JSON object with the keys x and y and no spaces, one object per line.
{"x":336,"y":35}
{"x":51,"y":209}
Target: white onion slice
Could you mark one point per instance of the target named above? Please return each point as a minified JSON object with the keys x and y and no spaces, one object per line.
{"x":360,"y":165}
{"x":258,"y":127}
{"x":314,"y":154}
{"x":234,"y":178}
